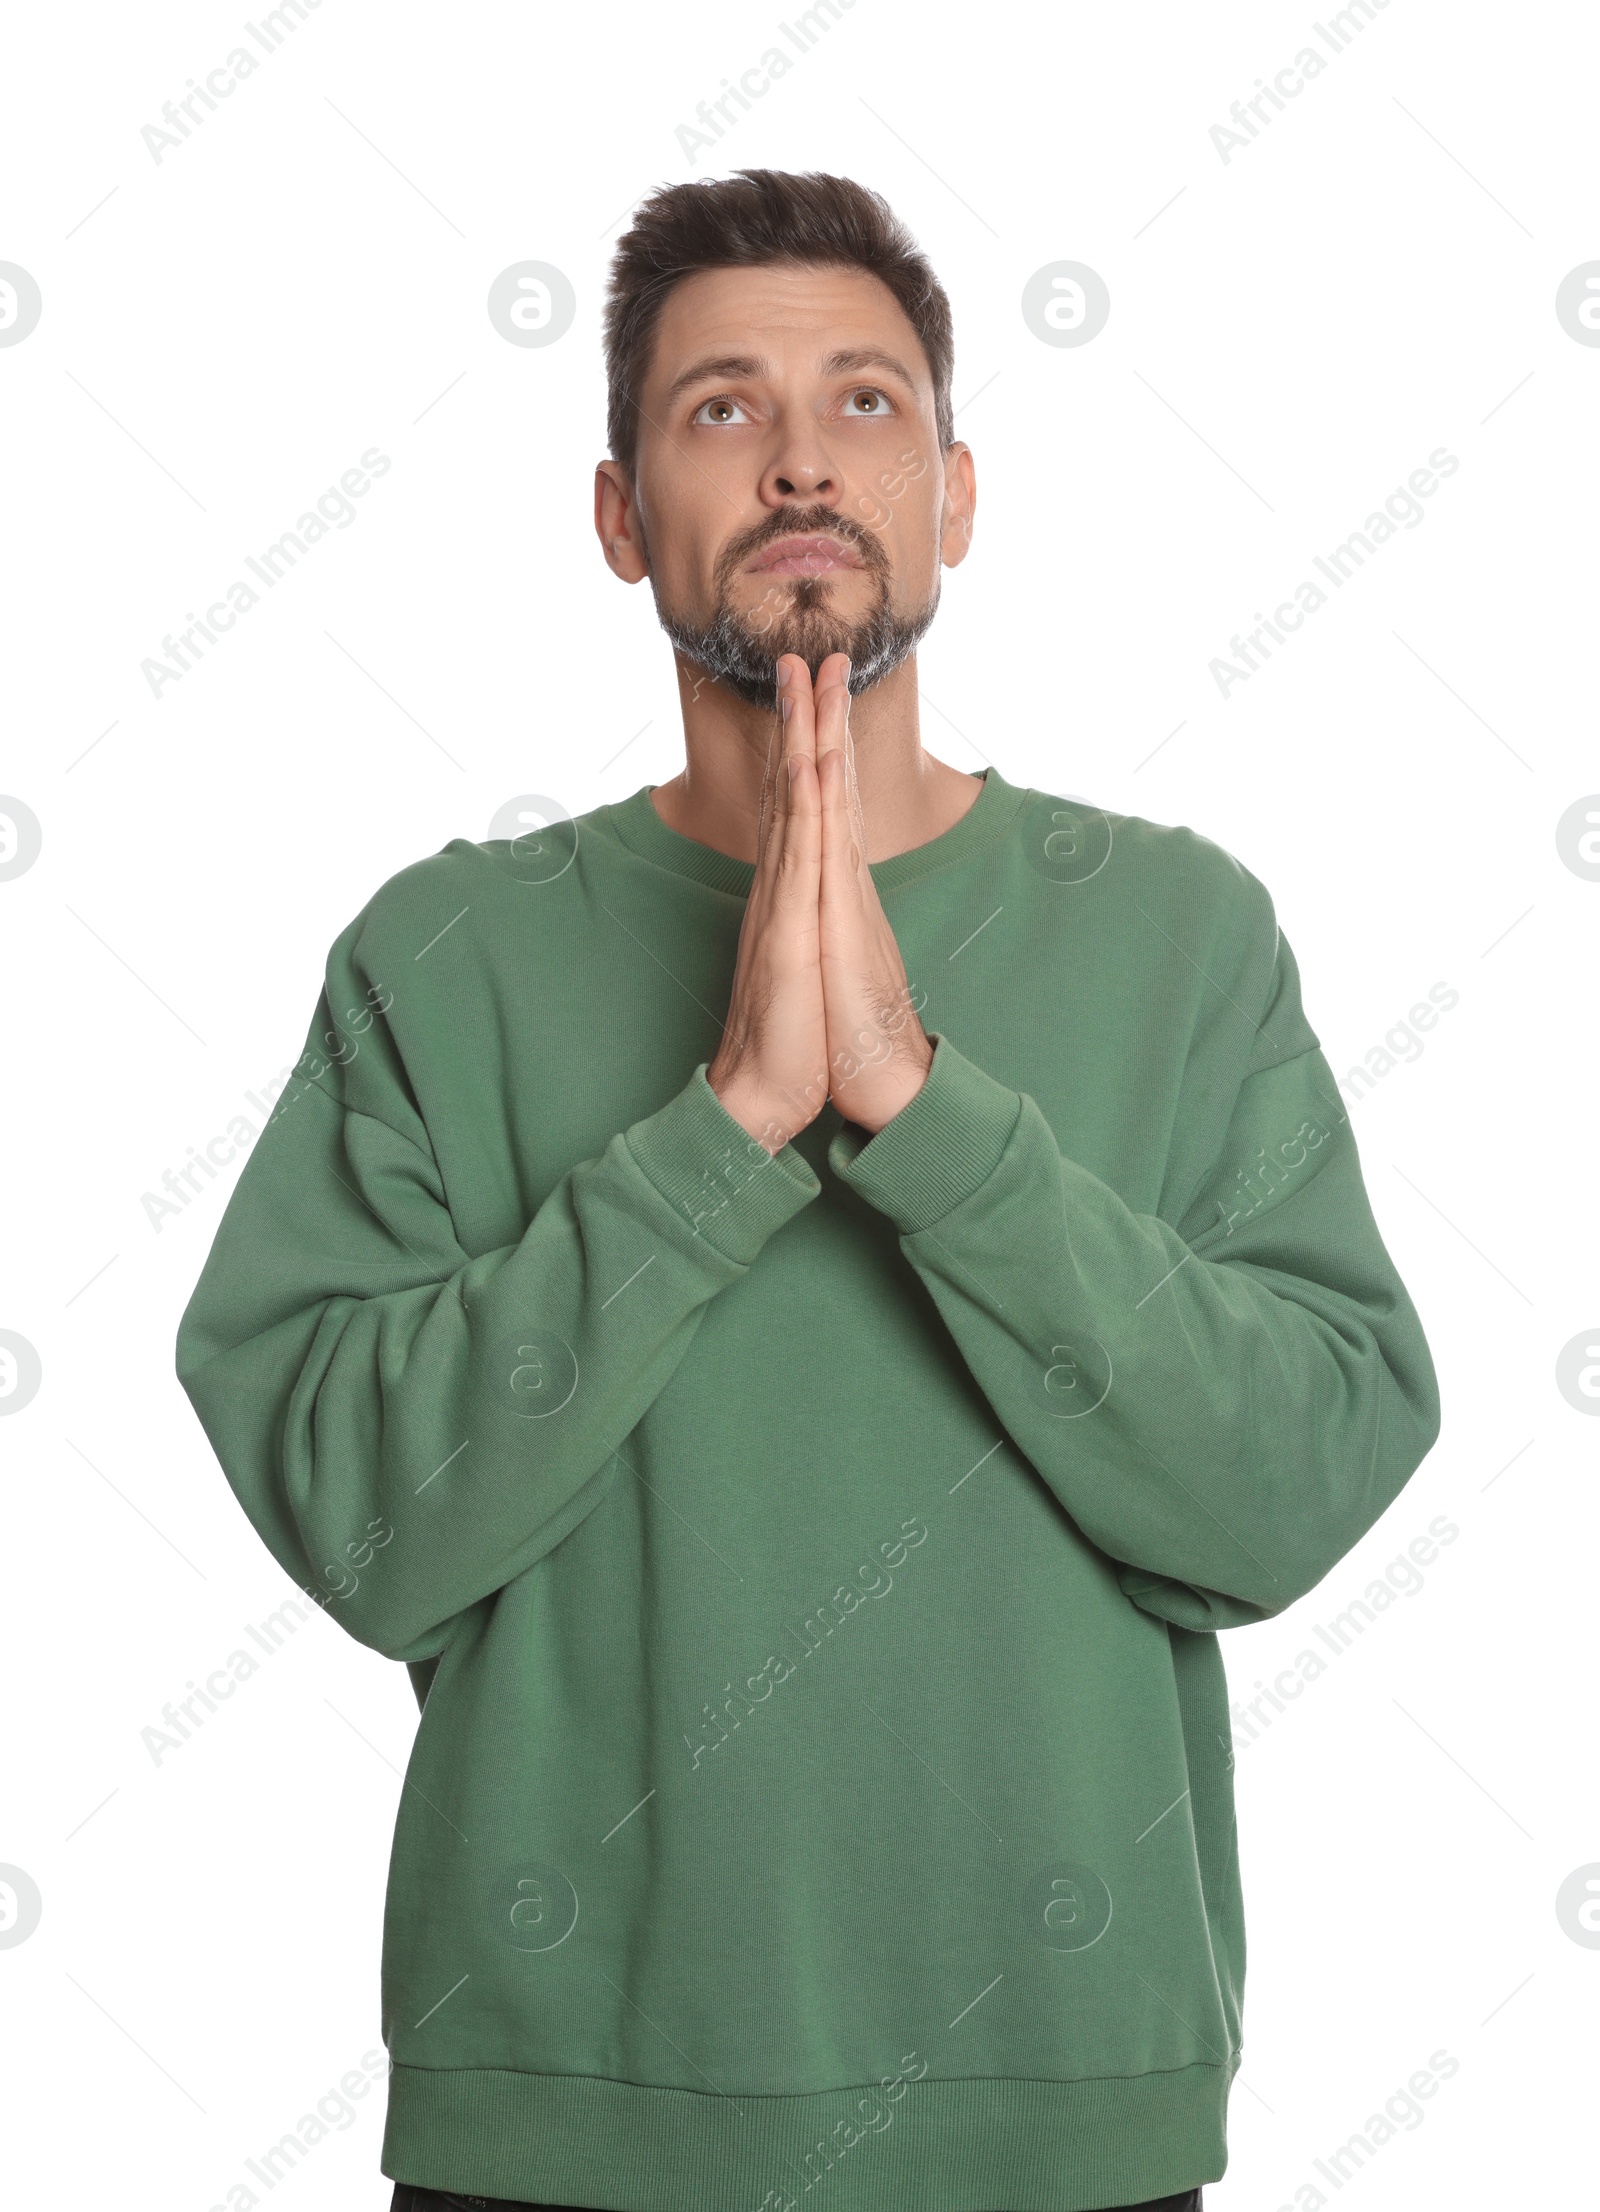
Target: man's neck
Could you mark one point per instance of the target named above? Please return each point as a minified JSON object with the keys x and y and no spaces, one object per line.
{"x":731,"y":748}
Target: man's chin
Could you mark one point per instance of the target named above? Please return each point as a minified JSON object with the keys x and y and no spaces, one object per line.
{"x":747,"y":664}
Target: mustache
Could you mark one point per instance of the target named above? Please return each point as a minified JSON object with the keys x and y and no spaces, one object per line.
{"x":787,"y":522}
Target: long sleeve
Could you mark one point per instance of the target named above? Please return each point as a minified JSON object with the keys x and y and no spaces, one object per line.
{"x":409,"y":1424}
{"x":1225,"y":1401}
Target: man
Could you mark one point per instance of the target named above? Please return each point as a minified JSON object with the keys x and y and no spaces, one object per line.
{"x":824,"y":1207}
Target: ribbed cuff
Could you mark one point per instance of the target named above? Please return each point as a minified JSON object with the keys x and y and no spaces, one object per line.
{"x":937,"y":1150}
{"x":715,"y":1175}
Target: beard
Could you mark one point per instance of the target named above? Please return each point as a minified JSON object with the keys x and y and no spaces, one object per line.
{"x":798,"y":615}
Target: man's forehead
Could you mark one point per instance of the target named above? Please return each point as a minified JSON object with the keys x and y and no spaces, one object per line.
{"x":780,"y":312}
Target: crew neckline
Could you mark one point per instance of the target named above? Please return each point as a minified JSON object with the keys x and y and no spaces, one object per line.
{"x":642,"y":830}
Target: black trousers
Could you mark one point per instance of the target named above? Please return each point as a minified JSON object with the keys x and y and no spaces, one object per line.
{"x":408,"y":2198}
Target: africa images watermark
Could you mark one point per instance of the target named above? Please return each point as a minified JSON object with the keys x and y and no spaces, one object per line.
{"x":875,"y":1581}
{"x":182,"y":1184}
{"x":818,"y":2161}
{"x":1402,"y":1577}
{"x":335,"y":510}
{"x":1337,"y":34}
{"x":179,"y":1718}
{"x":272,"y":1102}
{"x":1270,"y":1168}
{"x":1400,"y":1041}
{"x":335,"y":2112}
{"x":720,"y":114}
{"x":1402,"y":2113}
{"x":222,"y":82}
{"x":1402,"y":508}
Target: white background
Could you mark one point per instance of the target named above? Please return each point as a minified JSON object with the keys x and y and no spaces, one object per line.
{"x":1292,"y":332}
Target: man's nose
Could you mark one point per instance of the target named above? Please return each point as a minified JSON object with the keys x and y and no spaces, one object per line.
{"x":801,"y":468}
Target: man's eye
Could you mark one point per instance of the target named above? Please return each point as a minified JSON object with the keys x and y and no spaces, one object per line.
{"x":719,"y":410}
{"x":870,"y":401}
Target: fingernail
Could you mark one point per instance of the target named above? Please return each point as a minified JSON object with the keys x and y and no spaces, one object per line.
{"x":784,"y":704}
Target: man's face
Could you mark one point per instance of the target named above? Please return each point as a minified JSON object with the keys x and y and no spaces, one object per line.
{"x":790,"y":492}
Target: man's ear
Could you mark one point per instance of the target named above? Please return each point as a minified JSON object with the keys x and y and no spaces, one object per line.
{"x":616,"y":522}
{"x":960,"y":502}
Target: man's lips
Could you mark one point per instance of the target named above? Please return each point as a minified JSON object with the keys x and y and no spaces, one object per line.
{"x":809,"y":554}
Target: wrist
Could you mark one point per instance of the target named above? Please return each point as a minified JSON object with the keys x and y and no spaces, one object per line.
{"x":889,"y":1093}
{"x":771,"y":1125}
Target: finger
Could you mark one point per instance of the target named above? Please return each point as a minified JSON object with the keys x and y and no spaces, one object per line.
{"x":853,"y":803}
{"x":833,"y":728}
{"x":796,"y":706}
{"x":792,"y":679}
{"x":832,"y":703}
{"x":843,"y":938}
{"x":774,"y":797}
{"x":797,"y":720}
{"x":800,"y":862}
{"x":775,"y":783}
{"x":774,"y":793}
{"x":853,"y":787}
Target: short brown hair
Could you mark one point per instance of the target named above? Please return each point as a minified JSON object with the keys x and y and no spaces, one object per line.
{"x":756,"y":216}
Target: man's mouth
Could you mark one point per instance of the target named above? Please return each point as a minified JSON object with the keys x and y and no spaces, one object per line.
{"x":811,"y":553}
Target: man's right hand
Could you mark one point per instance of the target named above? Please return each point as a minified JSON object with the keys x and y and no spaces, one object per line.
{"x":771,"y":1069}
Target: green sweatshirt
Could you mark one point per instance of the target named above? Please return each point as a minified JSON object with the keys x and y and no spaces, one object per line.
{"x":542,"y":1377}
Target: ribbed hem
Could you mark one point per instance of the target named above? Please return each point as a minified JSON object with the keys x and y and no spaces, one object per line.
{"x":712,"y":1172}
{"x":935,"y":2146}
{"x":936,"y":1151}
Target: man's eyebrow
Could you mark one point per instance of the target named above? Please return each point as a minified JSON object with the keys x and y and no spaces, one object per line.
{"x":730,"y":365}
{"x":867,"y":357}
{"x":735,"y":366}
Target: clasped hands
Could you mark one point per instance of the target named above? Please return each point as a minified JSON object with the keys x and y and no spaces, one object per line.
{"x":820,"y":1008}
